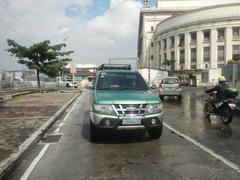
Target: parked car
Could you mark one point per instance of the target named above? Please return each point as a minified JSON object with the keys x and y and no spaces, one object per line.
{"x":72,"y":84}
{"x":170,"y":86}
{"x":121,"y":100}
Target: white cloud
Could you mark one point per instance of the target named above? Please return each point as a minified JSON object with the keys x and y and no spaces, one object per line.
{"x":112,"y":34}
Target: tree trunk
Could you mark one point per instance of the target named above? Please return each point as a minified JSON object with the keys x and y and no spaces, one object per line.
{"x":38,"y":81}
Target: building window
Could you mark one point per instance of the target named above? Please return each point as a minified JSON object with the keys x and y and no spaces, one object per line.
{"x":193,"y":37}
{"x":221,"y":53}
{"x":221,"y":34}
{"x":236,"y":33}
{"x":182,"y":56}
{"x":165,"y":56}
{"x":182,"y":67}
{"x":193,"y":66}
{"x":193,"y":54}
{"x":172,"y":55}
{"x":151,"y":44}
{"x":236,"y":52}
{"x":159,"y":44}
{"x":206,"y":35}
{"x":164,"y":44}
{"x":159,"y":59}
{"x":220,"y":65}
{"x":206,"y":54}
{"x":151,"y":57}
{"x":152,"y":28}
{"x":181,"y":40}
{"x":205,"y":76}
{"x":172,"y":40}
{"x":206,"y":66}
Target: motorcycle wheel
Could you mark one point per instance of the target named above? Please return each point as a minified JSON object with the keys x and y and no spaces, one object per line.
{"x":206,"y":112}
{"x":227,"y":116}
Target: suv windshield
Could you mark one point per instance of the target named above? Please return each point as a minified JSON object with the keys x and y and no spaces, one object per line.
{"x":121,"y":81}
{"x":170,"y":81}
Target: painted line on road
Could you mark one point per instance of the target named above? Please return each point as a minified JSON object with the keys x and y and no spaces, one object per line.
{"x":205,"y":148}
{"x":34,"y":163}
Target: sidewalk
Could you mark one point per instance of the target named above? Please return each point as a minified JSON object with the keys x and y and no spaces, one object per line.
{"x":23,"y":115}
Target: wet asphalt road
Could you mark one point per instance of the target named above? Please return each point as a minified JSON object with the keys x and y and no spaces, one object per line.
{"x":134,"y":155}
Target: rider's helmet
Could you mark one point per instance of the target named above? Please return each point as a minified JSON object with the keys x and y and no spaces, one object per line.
{"x":221,"y":79}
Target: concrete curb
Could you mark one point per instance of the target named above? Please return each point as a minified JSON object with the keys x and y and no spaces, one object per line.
{"x":10,"y":163}
{"x":10,"y":96}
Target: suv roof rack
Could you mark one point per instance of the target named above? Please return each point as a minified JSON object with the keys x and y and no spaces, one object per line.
{"x":115,"y":66}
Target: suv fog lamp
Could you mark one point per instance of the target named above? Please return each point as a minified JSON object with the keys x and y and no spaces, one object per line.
{"x":107,"y":122}
{"x":154,"y":121}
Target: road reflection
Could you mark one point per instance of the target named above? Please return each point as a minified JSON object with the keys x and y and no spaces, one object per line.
{"x":189,"y":111}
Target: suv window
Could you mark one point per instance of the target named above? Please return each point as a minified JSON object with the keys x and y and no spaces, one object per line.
{"x":170,"y":81}
{"x":120,"y":81}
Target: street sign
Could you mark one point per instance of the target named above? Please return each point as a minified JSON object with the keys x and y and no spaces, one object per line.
{"x":73,"y":69}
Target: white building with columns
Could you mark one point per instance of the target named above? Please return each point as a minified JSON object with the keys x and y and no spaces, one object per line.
{"x":191,"y":36}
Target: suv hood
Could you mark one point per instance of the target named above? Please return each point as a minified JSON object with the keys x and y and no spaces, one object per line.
{"x":125,"y":97}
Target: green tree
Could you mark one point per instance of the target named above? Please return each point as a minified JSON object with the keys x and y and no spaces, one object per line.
{"x":41,"y":57}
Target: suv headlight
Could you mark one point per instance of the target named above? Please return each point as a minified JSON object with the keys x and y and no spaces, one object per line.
{"x":154,"y":108}
{"x":103,"y":109}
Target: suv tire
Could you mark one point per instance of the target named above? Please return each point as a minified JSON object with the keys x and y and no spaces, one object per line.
{"x":179,"y":97}
{"x":161,"y":97}
{"x":155,"y":133}
{"x":94,"y":132}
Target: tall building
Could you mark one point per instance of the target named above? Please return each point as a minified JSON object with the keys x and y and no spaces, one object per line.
{"x":168,"y":31}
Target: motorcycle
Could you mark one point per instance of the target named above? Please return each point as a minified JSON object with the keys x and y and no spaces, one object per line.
{"x":224,"y":109}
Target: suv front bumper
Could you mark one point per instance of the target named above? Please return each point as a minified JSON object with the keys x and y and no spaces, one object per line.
{"x":170,"y":93}
{"x":116,"y":122}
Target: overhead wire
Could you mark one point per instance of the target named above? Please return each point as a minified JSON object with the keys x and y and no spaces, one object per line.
{"x":4,"y":7}
{"x":10,"y":27}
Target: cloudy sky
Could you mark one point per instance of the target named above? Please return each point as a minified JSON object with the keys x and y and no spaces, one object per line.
{"x":95,"y":29}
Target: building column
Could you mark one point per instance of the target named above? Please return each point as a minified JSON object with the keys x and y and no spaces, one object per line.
{"x":228,"y":44}
{"x":199,"y":50}
{"x":187,"y":50}
{"x":176,"y":48}
{"x":161,"y":52}
{"x":168,"y":49}
{"x":213,"y":49}
{"x":157,"y":50}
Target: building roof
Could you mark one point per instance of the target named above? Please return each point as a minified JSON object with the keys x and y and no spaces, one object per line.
{"x":186,"y":4}
{"x":213,"y":13}
{"x":89,"y":66}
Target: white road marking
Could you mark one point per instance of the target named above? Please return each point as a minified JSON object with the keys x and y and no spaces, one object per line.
{"x":34,"y":163}
{"x":30,"y":168}
{"x":206,"y":149}
{"x":61,"y":124}
{"x":68,"y":114}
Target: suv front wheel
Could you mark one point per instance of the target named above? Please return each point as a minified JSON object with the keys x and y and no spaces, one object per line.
{"x":156,"y":132}
{"x":94,"y":133}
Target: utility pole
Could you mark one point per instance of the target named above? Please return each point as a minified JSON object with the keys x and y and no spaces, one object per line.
{"x":149,"y":73}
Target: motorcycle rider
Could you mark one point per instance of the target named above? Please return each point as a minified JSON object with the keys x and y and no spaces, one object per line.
{"x":220,"y":89}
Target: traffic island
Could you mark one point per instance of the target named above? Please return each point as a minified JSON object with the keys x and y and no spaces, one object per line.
{"x":23,"y":121}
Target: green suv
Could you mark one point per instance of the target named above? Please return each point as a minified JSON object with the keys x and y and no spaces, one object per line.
{"x":121,"y":100}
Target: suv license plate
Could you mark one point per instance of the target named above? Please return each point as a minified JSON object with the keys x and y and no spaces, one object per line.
{"x":131,"y":120}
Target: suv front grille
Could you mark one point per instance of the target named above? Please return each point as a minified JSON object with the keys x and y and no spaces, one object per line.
{"x":129,"y":109}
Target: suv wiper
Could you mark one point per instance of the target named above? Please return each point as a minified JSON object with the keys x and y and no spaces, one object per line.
{"x":104,"y":89}
{"x":127,"y":88}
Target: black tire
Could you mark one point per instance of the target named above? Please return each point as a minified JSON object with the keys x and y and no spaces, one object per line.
{"x":67,"y":85}
{"x":227,"y":116}
{"x":161,"y":97}
{"x":155,"y":133}
{"x":179,"y":97}
{"x":206,"y":111}
{"x":94,"y":133}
